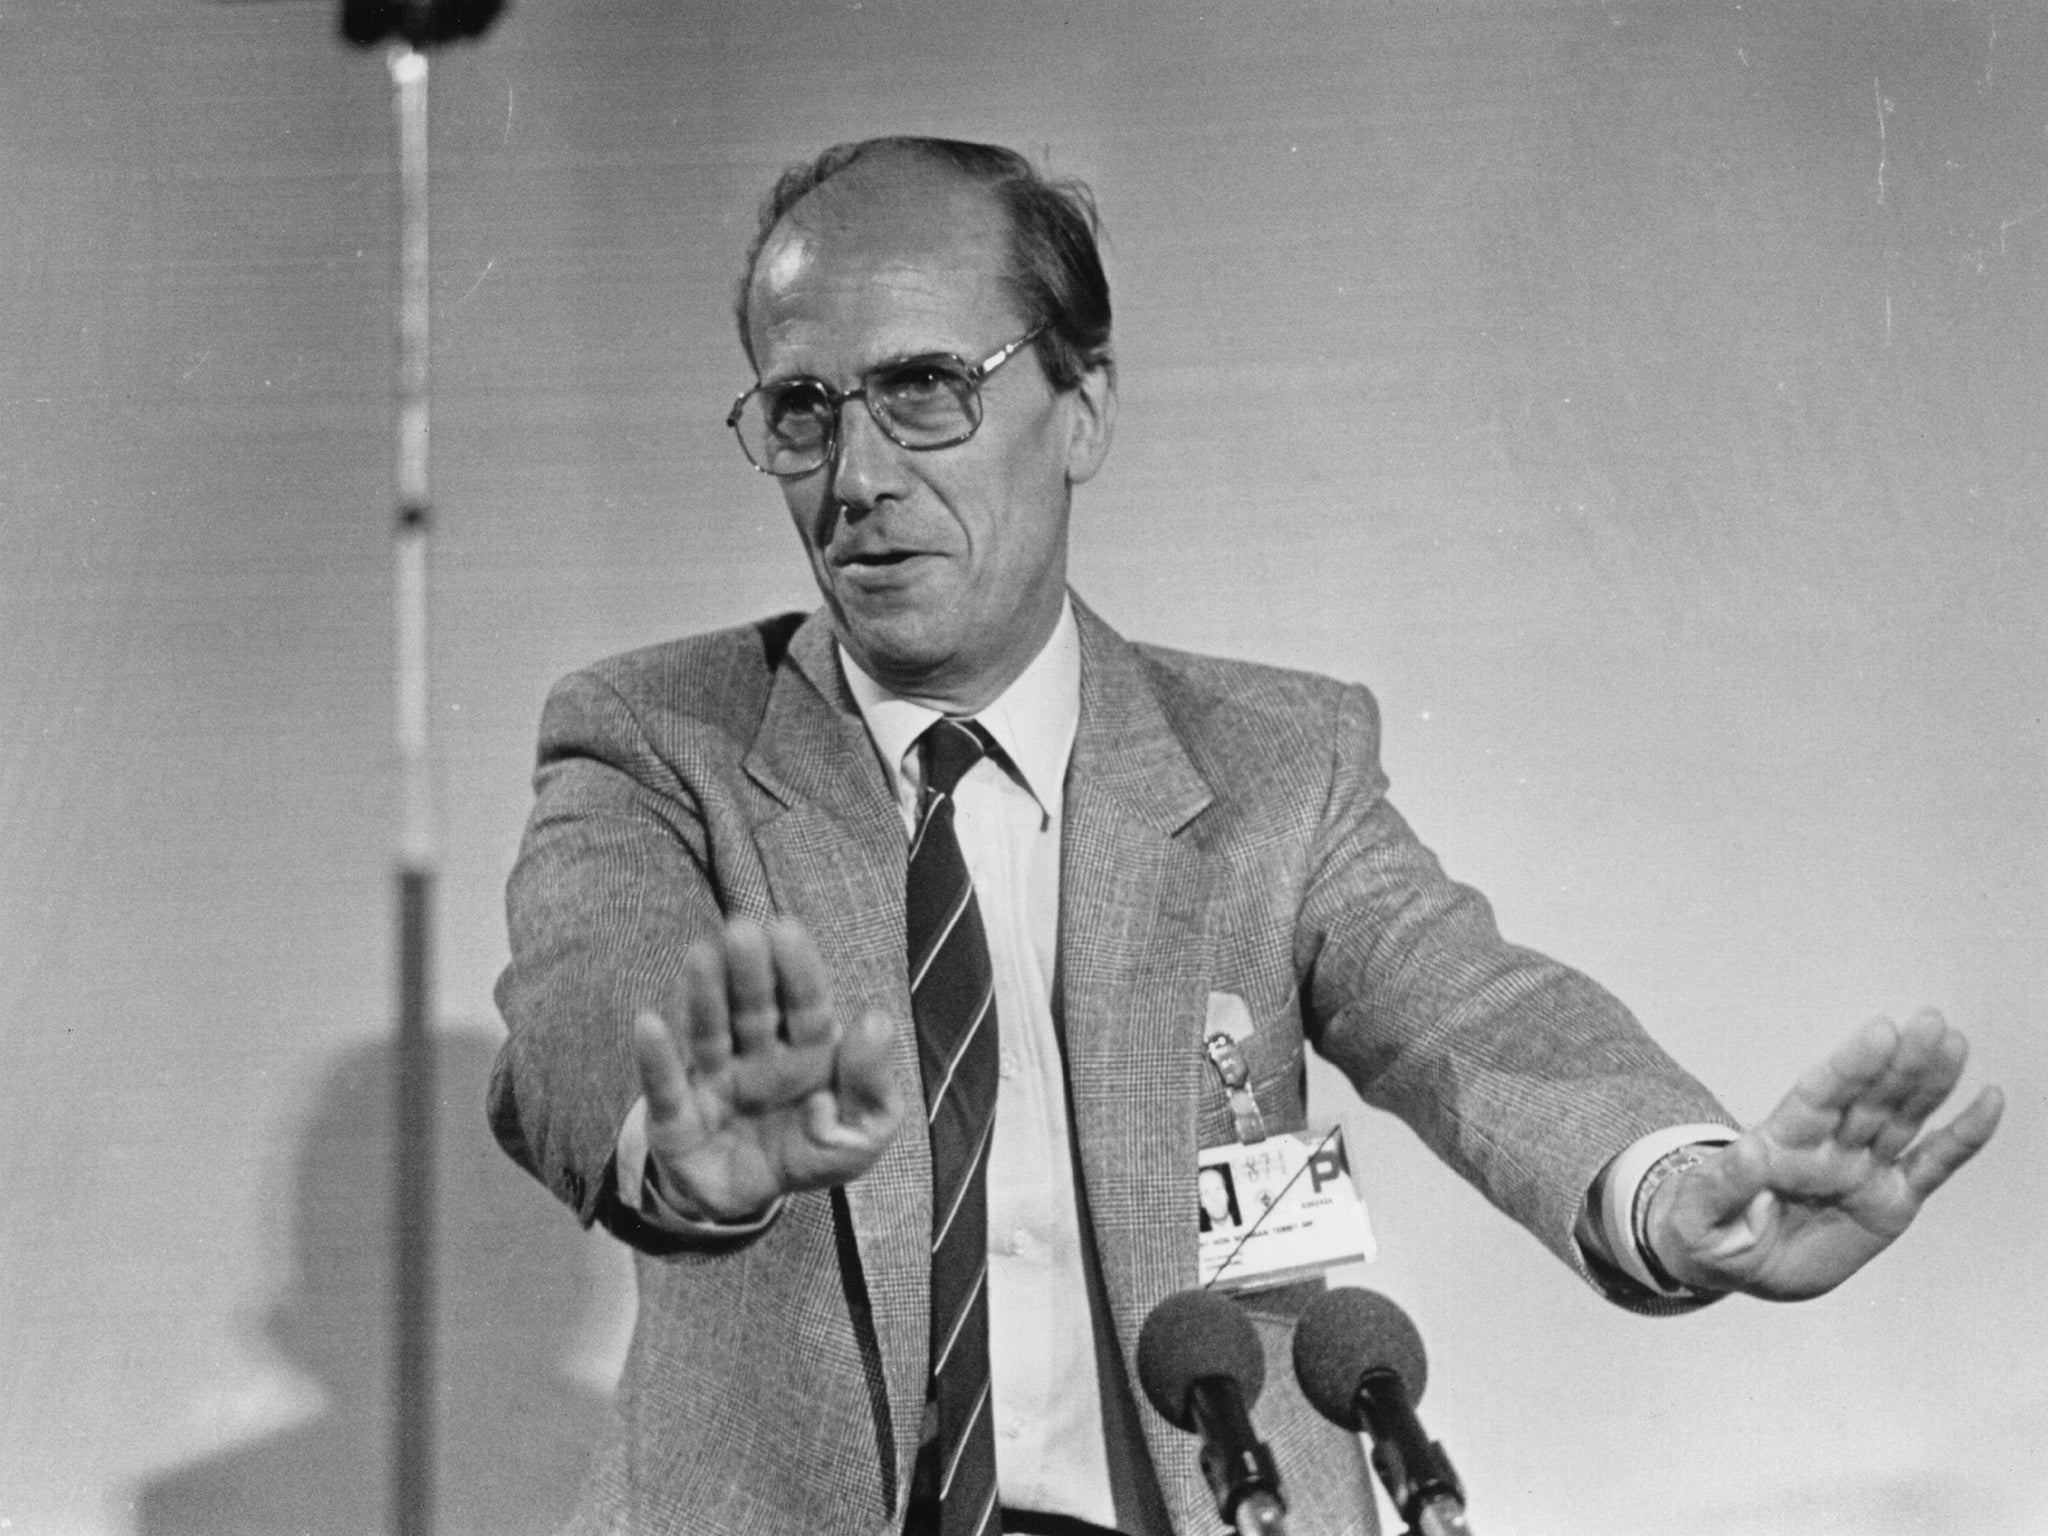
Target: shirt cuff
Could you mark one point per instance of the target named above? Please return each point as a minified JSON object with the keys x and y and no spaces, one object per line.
{"x":640,"y":1191}
{"x":1621,"y":1186}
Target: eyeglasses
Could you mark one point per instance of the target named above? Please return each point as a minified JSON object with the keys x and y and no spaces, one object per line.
{"x":791,"y":427}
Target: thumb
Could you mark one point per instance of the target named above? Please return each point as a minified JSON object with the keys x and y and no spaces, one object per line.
{"x":865,"y":1080}
{"x":1719,"y":1190}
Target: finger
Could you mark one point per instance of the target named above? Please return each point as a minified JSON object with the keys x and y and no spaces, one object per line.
{"x":1928,"y":1166}
{"x":865,"y":1083}
{"x":863,"y":1110}
{"x":1943,"y":1070}
{"x":1888,"y":1101}
{"x":1942,"y":1062}
{"x":704,"y":1008}
{"x":750,"y":984}
{"x":1812,"y":1112}
{"x":802,"y":988}
{"x":822,"y":1124}
{"x":663,"y":1078}
{"x":826,"y":1124}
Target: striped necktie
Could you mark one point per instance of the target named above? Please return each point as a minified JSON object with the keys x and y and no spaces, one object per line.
{"x":952,"y":998}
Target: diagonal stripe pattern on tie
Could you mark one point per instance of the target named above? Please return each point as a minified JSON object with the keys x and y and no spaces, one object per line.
{"x":952,"y":998}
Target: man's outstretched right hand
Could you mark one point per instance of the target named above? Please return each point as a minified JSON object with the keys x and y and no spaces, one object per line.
{"x":754,"y":1091}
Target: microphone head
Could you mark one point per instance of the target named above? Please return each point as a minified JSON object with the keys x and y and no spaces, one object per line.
{"x":1192,"y":1336}
{"x":1344,"y":1336}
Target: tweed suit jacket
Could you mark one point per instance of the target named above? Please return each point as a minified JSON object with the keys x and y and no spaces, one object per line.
{"x":1226,"y":830}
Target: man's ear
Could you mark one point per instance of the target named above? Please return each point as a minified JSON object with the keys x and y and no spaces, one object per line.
{"x":1092,"y":408}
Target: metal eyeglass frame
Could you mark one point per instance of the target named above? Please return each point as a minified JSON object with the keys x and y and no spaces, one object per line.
{"x":974,"y":374}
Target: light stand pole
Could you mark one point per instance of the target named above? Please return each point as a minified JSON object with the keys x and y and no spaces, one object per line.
{"x":408,"y":27}
{"x":412,"y":1447}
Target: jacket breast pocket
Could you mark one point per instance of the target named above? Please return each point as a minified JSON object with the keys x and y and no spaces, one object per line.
{"x":1276,"y":1071}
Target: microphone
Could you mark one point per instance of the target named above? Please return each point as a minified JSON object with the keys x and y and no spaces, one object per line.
{"x":1360,"y":1361}
{"x":1201,"y":1366}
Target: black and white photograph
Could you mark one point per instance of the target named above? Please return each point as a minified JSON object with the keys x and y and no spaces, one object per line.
{"x":704,"y":706}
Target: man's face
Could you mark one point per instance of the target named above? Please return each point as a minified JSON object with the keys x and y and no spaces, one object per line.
{"x":944,"y":569}
{"x":1215,"y":1194}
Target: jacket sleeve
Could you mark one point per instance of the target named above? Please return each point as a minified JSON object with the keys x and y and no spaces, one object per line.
{"x":611,"y":886}
{"x":1523,"y":1075}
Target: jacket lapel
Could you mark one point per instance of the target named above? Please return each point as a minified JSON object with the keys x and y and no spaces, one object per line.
{"x":1134,"y":976}
{"x":835,"y":851}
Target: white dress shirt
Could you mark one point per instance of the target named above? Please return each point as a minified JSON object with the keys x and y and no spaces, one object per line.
{"x":1051,"y":1451}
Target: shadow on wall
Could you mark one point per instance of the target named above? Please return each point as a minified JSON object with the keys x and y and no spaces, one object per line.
{"x":514,"y":1277}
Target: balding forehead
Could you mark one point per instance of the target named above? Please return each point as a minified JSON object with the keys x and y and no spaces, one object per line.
{"x":902,"y":215}
{"x":889,"y":207}
{"x":897,"y":198}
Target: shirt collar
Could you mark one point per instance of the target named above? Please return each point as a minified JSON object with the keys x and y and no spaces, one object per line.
{"x":1033,"y":720}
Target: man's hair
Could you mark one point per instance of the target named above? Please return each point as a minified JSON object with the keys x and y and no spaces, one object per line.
{"x":1055,"y":272}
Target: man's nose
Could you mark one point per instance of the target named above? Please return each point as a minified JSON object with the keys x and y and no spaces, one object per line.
{"x":866,"y":466}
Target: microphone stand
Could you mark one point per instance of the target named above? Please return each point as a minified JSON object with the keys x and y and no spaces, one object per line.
{"x":1249,"y":1473}
{"x":1413,"y":1468}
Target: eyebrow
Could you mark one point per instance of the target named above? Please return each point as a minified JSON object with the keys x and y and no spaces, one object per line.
{"x":893,"y":360}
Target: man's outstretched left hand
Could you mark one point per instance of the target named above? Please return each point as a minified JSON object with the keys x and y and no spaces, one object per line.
{"x":1832,"y":1176}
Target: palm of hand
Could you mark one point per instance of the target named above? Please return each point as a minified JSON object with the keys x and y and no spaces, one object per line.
{"x":1833,"y":1175}
{"x":774,"y":1097}
{"x":740,"y":1136}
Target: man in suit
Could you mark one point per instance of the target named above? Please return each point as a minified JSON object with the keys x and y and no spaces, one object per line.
{"x":719,"y":1039}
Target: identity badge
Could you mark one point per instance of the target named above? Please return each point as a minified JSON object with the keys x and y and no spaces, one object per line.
{"x":1278,"y":1210}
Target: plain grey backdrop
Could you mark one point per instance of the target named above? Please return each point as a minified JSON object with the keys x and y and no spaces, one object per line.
{"x":1647,"y":400}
